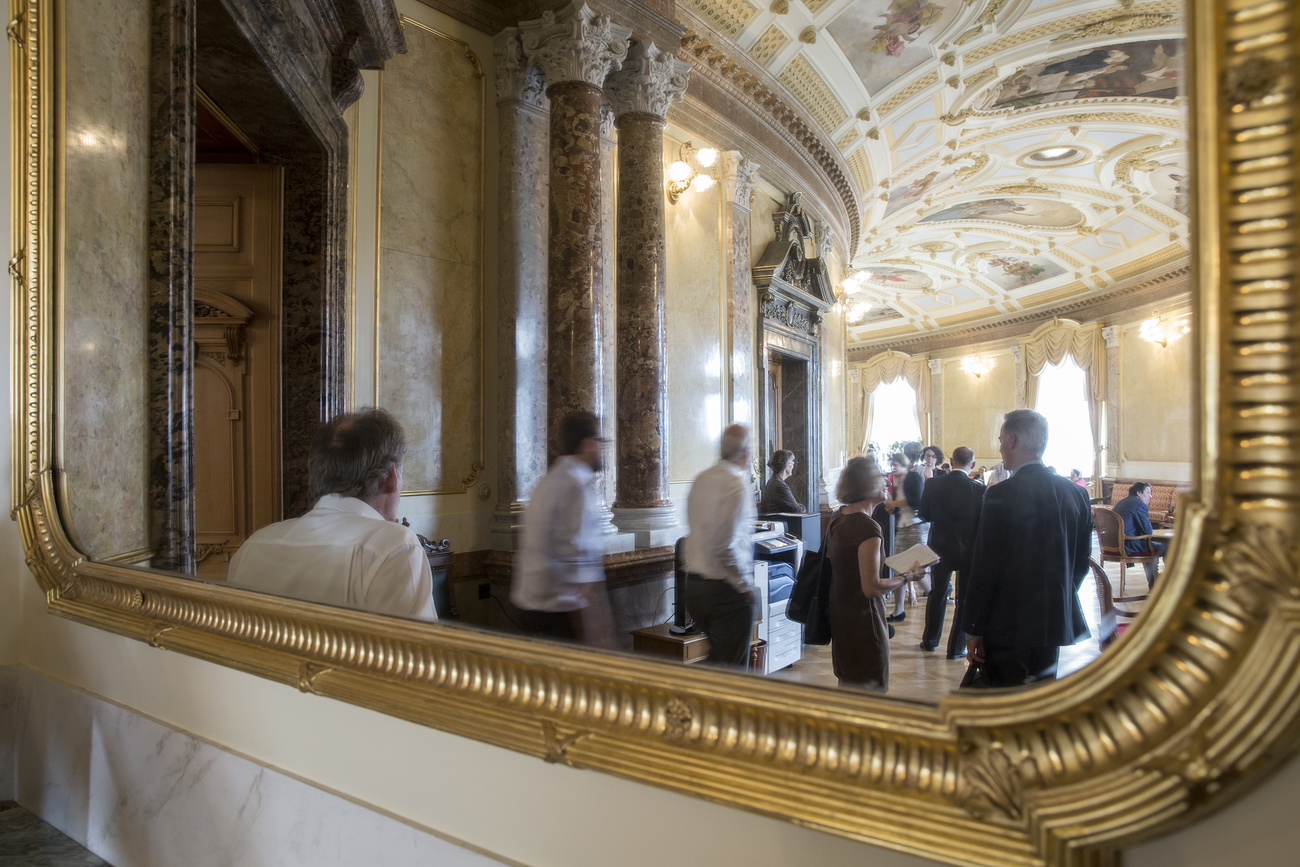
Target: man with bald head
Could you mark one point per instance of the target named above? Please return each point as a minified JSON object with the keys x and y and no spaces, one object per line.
{"x":719,"y":552}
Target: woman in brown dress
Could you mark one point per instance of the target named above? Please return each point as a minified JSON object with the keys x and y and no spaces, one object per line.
{"x":860,"y":636}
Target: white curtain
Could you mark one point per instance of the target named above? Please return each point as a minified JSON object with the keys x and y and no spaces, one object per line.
{"x":885,"y":368}
{"x":1051,"y":344}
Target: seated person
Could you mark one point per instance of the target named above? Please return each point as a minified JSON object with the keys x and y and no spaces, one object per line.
{"x":777,"y":496}
{"x":1078,"y":479}
{"x":348,"y":550}
{"x":1137,"y":522}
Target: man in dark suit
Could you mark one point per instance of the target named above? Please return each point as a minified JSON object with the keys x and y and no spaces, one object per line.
{"x":951,"y":504}
{"x":1031,"y":555}
{"x":1137,"y":522}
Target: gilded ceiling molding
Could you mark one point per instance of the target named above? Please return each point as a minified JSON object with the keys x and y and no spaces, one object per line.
{"x":1073,"y":22}
{"x":717,"y":63}
{"x":1118,"y":25}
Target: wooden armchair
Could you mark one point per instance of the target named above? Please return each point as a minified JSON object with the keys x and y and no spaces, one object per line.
{"x":1110,"y":536}
{"x":1112,"y":608}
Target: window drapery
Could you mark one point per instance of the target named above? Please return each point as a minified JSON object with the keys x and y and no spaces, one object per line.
{"x":1051,"y":344}
{"x":885,"y":368}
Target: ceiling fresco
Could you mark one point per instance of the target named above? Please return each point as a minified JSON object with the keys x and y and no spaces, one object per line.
{"x":1008,"y":155}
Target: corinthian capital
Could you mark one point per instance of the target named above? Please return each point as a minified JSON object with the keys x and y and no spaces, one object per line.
{"x":516,"y":79}
{"x":648,"y":82}
{"x":739,"y":176}
{"x":574,"y":44}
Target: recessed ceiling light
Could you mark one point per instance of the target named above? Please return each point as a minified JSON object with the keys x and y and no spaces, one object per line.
{"x":1055,"y":153}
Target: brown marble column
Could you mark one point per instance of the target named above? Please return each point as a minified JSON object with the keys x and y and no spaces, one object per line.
{"x":641,"y":93}
{"x":522,"y":111}
{"x":576,"y":49}
{"x":739,"y":175}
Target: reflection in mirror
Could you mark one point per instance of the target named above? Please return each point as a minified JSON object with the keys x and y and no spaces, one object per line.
{"x":984,"y":208}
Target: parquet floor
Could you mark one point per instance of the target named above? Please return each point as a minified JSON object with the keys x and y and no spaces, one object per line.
{"x":915,"y":675}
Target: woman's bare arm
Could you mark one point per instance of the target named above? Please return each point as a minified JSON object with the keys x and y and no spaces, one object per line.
{"x":869,"y":571}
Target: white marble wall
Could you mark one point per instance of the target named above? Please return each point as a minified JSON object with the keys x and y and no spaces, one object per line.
{"x":137,"y":792}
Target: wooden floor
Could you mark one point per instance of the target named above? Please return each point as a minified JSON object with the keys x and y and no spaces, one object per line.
{"x":915,"y":675}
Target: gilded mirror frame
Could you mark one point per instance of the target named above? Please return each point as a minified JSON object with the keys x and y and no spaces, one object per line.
{"x":1183,"y":712}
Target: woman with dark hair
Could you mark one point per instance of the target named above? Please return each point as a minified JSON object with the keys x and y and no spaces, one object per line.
{"x":776,"y":495}
{"x":931,"y":457}
{"x":860,"y":642}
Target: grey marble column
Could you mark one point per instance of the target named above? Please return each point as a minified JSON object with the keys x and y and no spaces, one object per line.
{"x":936,"y":402}
{"x":1107,"y":463}
{"x":608,"y":306}
{"x":641,"y":93}
{"x":576,"y":49}
{"x":171,"y":286}
{"x":522,"y":111}
{"x":739,"y":175}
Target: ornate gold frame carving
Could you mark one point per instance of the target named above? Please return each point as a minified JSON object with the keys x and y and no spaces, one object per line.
{"x":1183,"y":712}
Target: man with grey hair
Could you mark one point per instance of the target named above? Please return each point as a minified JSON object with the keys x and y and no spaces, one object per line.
{"x":348,"y":550}
{"x":1031,"y":554}
{"x":719,"y":552}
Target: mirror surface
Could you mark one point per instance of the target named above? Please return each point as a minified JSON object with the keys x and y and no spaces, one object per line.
{"x":1009,"y":167}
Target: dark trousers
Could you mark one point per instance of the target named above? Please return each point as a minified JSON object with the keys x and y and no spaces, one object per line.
{"x":725,"y":616}
{"x":936,"y":605}
{"x":1016,"y":666}
{"x":549,"y":624}
{"x":1158,"y":548}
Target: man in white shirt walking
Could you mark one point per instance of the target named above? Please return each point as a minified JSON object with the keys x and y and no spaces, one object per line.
{"x":348,"y":550}
{"x":719,"y":552}
{"x":559,"y":580}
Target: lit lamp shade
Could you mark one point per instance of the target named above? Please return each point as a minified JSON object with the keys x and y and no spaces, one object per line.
{"x":706,"y":156}
{"x":679,"y":171}
{"x":700,"y":183}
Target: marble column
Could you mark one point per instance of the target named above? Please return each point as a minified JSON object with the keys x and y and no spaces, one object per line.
{"x":576,"y":49}
{"x":522,"y":112}
{"x":739,"y":176}
{"x":936,"y":401}
{"x":641,"y":93}
{"x":609,"y":306}
{"x":1107,"y":463}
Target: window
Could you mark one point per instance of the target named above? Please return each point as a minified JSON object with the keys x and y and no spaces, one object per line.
{"x":893,"y":414}
{"x":1063,"y":399}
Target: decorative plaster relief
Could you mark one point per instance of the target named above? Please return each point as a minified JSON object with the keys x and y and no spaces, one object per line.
{"x":649,"y":81}
{"x":574,"y":44}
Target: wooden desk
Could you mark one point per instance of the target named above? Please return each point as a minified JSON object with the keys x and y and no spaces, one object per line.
{"x":659,"y":641}
{"x":1163,"y":535}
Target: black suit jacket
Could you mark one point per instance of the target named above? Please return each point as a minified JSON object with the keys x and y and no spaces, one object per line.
{"x":1031,"y":555}
{"x":951,"y":504}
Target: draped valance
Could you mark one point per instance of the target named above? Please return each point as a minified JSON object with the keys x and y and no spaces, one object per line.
{"x":883,"y":369}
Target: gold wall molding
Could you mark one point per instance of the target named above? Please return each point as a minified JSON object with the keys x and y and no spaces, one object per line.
{"x":1191,"y":706}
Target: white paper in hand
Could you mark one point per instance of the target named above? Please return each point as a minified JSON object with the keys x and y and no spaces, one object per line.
{"x":914,"y":557}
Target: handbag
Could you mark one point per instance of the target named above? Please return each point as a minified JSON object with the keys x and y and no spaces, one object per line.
{"x":810,"y":599}
{"x":975,"y":677}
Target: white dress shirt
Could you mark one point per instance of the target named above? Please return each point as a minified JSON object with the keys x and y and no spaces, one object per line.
{"x":720,"y":512}
{"x":342,"y":552}
{"x":562,"y":545}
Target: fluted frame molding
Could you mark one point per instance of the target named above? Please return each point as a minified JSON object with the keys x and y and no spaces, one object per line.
{"x":574,"y":44}
{"x":649,"y":82}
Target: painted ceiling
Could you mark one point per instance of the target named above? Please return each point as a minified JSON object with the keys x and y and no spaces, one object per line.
{"x":1008,"y":155}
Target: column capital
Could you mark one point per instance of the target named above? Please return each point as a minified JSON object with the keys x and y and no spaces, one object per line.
{"x":936,"y":366}
{"x":1017,"y":354}
{"x":648,"y":82}
{"x":574,"y":44}
{"x":739,"y":177}
{"x":1110,"y":334}
{"x":517,"y":80}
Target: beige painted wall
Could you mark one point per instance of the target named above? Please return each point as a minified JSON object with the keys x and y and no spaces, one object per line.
{"x":973,"y":407}
{"x":1155,"y":426}
{"x":697,"y":370}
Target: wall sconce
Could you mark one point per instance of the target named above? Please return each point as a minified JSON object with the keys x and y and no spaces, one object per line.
{"x":685,"y":173}
{"x":856,"y":310}
{"x":1155,"y":331}
{"x":976,"y":367}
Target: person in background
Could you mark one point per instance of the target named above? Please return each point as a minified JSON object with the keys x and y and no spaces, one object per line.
{"x":951,"y":504}
{"x":1021,"y":598}
{"x":1078,"y":479}
{"x":910,"y":530}
{"x":898,"y":465}
{"x":776,"y":495}
{"x":559,"y":580}
{"x":931,"y":458}
{"x":1134,"y":509}
{"x":719,"y":552}
{"x":998,"y":474}
{"x":348,"y":550}
{"x":859,"y":580}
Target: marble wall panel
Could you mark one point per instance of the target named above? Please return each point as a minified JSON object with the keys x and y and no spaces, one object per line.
{"x":973,"y":407}
{"x":430,"y":323}
{"x":430,"y":377}
{"x":137,"y":792}
{"x":761,"y":231}
{"x":835,"y":410}
{"x":1155,"y":424}
{"x":695,"y":304}
{"x":104,"y":386}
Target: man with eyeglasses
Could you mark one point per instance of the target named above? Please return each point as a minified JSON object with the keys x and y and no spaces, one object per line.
{"x":559,"y":577}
